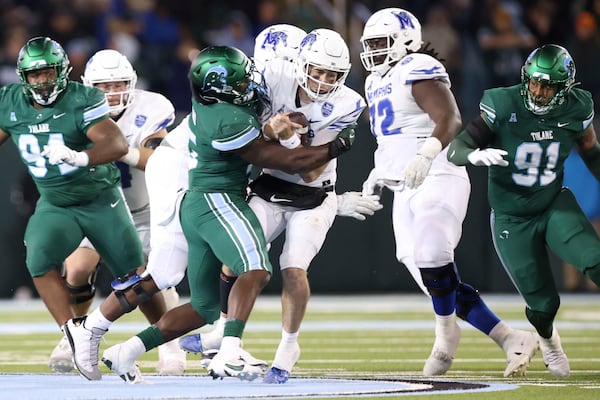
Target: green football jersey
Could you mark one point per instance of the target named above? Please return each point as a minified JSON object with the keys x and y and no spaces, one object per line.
{"x":66,"y":122}
{"x":220,"y":129}
{"x":537,"y":147}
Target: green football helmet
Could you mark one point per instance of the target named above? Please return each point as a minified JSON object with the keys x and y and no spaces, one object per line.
{"x":41,"y":53}
{"x":550,"y":64}
{"x":224,"y":73}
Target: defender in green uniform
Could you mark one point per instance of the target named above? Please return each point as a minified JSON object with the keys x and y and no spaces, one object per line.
{"x":66,"y":139}
{"x":524,"y":135}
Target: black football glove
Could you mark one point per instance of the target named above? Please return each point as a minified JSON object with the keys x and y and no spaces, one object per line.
{"x":343,"y":142}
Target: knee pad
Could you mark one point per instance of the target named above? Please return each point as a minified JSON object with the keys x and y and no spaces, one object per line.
{"x":440,"y":281}
{"x":83,"y":293}
{"x":466,"y":297}
{"x":132,"y":281}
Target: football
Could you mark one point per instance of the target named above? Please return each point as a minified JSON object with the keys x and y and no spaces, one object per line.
{"x":299,"y":118}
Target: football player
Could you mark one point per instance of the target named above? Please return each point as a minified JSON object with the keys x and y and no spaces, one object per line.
{"x":413,"y":117}
{"x":68,"y":142}
{"x":143,"y":117}
{"x":524,"y":134}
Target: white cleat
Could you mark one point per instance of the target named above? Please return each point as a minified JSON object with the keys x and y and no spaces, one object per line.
{"x":444,"y":347}
{"x":84,"y":344}
{"x":122,"y":363}
{"x":61,"y":358}
{"x":238,"y":364}
{"x":171,"y":359}
{"x":553,"y":355}
{"x":520,"y":347}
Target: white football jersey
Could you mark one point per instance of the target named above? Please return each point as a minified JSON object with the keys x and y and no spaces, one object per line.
{"x":149,"y":113}
{"x":326,"y":119}
{"x":397,"y":121}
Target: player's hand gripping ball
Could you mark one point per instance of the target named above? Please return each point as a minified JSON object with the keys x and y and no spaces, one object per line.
{"x":300,"y":119}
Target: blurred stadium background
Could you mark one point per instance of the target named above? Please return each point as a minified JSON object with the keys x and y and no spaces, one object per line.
{"x":483,"y":42}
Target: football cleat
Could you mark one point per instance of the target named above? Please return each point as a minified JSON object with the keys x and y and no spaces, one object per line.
{"x":553,"y":355}
{"x":276,"y":375}
{"x":520,"y":347}
{"x":84,"y":344}
{"x":237,"y":363}
{"x":171,"y":359}
{"x":61,"y":358}
{"x":118,"y":360}
{"x":286,"y":357}
{"x":444,"y":347}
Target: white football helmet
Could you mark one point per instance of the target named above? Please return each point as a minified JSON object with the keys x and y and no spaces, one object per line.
{"x":399,"y":28}
{"x":326,"y":49}
{"x":111,"y":66}
{"x":280,"y":41}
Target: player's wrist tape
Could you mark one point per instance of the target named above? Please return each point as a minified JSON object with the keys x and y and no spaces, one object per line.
{"x":291,"y":143}
{"x":431,"y":148}
{"x":132,"y":157}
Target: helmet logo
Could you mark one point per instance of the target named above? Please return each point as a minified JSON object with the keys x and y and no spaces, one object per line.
{"x":218,"y":73}
{"x":308,"y":40}
{"x":274,"y":38}
{"x":404,"y":19}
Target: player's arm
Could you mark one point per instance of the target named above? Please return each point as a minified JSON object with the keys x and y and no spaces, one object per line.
{"x":109,"y":142}
{"x":296,"y":160}
{"x":436,"y":99}
{"x":270,"y":154}
{"x":470,"y":146}
{"x":138,"y":156}
{"x":589,"y":149}
{"x":3,"y":136}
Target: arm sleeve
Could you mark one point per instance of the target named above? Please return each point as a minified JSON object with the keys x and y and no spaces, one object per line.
{"x":460,"y":147}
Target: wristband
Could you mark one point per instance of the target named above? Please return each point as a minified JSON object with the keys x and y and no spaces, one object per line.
{"x":431,"y":148}
{"x":291,"y":143}
{"x":132,"y":157}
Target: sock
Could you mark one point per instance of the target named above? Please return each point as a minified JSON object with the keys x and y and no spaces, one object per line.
{"x":289,"y":337}
{"x":234,"y":327}
{"x":500,"y":332}
{"x":135,"y":346}
{"x":229,"y":343}
{"x":97,"y":320}
{"x":151,"y":337}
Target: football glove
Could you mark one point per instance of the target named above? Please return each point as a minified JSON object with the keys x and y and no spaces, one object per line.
{"x":59,"y":153}
{"x":418,"y":167}
{"x":370,"y":186}
{"x":487,"y":157}
{"x":353,"y":204}
{"x":343,"y":142}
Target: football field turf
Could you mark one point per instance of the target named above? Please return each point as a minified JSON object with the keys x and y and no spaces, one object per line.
{"x":358,"y":338}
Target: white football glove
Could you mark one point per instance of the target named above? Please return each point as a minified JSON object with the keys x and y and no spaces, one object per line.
{"x":369,"y":186}
{"x":487,"y":157}
{"x":59,"y":153}
{"x":418,"y":167}
{"x":353,"y":204}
